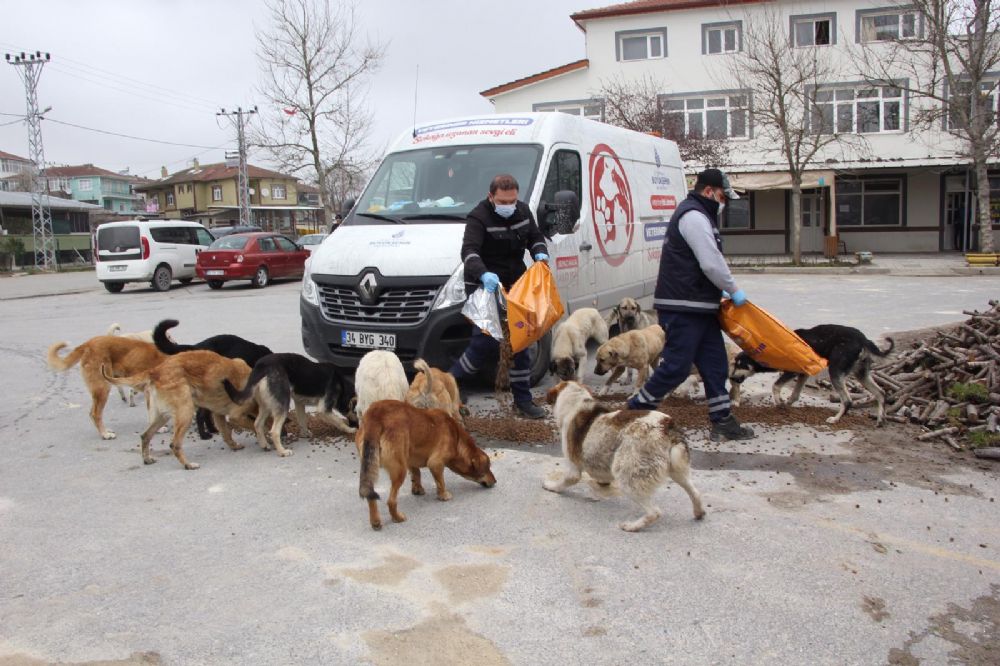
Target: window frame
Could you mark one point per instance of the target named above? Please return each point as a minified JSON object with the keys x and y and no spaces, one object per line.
{"x":993,"y":77}
{"x":705,"y":96}
{"x":216,"y":193}
{"x":861,"y":14}
{"x":721,"y":25}
{"x":796,"y":19}
{"x":170,"y":199}
{"x":751,"y":224}
{"x":855,"y":87}
{"x":276,"y":188}
{"x":89,"y":182}
{"x":842,"y":181}
{"x":563,"y":106}
{"x":621,"y":35}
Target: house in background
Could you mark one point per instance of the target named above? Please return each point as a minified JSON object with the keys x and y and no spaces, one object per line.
{"x":909,"y":191}
{"x":208,"y":194}
{"x":14,"y":172}
{"x":70,"y":225}
{"x":94,"y":185}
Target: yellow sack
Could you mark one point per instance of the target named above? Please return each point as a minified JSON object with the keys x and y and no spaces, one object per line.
{"x":767,"y":340}
{"x":533,"y":306}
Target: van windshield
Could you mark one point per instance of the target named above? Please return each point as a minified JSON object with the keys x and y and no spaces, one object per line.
{"x":441,"y":184}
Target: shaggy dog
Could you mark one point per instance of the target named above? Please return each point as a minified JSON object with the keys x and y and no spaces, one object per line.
{"x":639,"y":449}
{"x":634,"y":349}
{"x":628,"y":316}
{"x":848,"y":353}
{"x":182,"y":383}
{"x":380,"y":376}
{"x":569,"y":344}
{"x":277,"y":379}
{"x":230,"y":346}
{"x":145,"y":336}
{"x":120,"y":355}
{"x":401,"y":438}
{"x":435,"y":389}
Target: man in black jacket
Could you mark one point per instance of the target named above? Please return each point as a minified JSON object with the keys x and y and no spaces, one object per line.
{"x":497,"y":233}
{"x":692,"y":280}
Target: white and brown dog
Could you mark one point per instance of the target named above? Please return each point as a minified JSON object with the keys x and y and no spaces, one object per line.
{"x":380,"y":376}
{"x":569,"y":344}
{"x":639,"y":449}
{"x":639,"y":350}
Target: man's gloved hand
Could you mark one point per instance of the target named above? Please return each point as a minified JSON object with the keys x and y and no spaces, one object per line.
{"x":490,"y":281}
{"x":541,"y":256}
{"x":739,"y":298}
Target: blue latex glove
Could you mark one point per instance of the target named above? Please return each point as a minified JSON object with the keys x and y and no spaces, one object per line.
{"x":739,"y":298}
{"x":541,"y":256}
{"x":491,"y":281}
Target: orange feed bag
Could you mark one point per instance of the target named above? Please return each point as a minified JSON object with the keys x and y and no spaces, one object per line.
{"x":533,"y":306}
{"x":767,"y":340}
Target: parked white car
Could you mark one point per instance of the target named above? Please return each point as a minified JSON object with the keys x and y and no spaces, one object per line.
{"x":154,"y":251}
{"x":312,"y":241}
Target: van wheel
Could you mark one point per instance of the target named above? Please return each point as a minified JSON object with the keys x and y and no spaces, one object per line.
{"x":162,"y":277}
{"x":114,"y":287}
{"x":541,"y":352}
{"x":260,"y":278}
{"x":185,"y":281}
{"x":215,"y":284}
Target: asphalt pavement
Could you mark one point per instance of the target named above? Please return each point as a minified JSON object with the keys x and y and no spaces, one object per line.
{"x":820,"y":546}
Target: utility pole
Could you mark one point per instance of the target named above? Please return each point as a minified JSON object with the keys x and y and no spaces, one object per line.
{"x":240,"y":118}
{"x":29,"y":68}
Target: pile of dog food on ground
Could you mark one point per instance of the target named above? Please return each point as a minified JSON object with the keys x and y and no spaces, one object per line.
{"x":509,"y":428}
{"x":950,"y":383}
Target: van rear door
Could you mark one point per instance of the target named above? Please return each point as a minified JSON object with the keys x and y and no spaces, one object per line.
{"x":119,"y":243}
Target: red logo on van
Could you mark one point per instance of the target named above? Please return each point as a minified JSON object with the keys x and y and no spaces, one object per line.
{"x":567,"y":262}
{"x":663,"y":202}
{"x":611,"y":203}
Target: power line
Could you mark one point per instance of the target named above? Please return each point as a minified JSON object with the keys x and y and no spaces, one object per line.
{"x":105,"y":85}
{"x":12,"y":122}
{"x":129,"y":136}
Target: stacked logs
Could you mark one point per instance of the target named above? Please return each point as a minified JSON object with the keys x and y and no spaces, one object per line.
{"x":950,"y":383}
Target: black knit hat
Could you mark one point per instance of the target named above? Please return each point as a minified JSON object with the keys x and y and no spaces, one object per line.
{"x":715,"y":178}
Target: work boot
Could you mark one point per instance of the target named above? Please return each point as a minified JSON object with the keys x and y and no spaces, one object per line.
{"x":730,"y":428}
{"x":530,"y":410}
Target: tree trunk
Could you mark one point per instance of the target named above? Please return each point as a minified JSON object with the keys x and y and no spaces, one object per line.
{"x":983,"y":199}
{"x":796,"y":213}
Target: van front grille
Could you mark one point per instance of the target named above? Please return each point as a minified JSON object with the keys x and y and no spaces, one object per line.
{"x":398,"y":305}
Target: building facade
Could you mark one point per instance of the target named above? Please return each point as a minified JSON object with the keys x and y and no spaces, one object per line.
{"x":897,"y":188}
{"x":91,"y":184}
{"x":15,"y":172}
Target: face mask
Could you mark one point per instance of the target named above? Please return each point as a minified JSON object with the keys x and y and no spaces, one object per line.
{"x":505,"y":210}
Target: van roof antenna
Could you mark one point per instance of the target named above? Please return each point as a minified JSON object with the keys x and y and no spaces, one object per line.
{"x":416,"y":84}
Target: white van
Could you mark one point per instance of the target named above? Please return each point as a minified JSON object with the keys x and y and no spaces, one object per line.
{"x":154,"y":251}
{"x":391,"y":277}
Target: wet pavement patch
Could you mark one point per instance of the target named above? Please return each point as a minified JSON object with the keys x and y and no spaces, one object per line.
{"x":974,"y":631}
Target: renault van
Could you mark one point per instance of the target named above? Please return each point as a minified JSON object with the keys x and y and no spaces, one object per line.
{"x":390,"y":276}
{"x":153,"y":251}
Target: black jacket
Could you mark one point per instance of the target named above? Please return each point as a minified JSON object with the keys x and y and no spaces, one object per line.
{"x":682,"y":285}
{"x":493,"y":244}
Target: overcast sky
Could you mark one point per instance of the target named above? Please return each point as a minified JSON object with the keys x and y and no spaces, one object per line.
{"x":160,"y":69}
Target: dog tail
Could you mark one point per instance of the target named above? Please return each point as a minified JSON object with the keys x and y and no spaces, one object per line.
{"x":114,"y":329}
{"x":420,"y":365}
{"x":873,"y":348}
{"x":369,"y":462}
{"x":163,"y":341}
{"x":240,"y":396}
{"x":138,"y":381}
{"x":63,"y":363}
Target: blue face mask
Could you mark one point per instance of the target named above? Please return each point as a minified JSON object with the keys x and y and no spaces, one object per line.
{"x":505,"y":210}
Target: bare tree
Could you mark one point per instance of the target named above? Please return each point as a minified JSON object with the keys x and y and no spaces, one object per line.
{"x":782,"y":83}
{"x":316,"y":65}
{"x":946,"y":57}
{"x":635,"y":104}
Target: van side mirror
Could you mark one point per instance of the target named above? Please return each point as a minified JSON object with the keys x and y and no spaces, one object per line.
{"x":563,"y":215}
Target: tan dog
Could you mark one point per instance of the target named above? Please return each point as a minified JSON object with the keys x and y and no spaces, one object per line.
{"x":639,"y":449}
{"x":569,"y":343}
{"x":435,"y":389}
{"x":184,"y":382}
{"x":120,"y":355}
{"x":401,"y":438}
{"x":629,"y":316}
{"x":634,"y":349}
{"x":145,"y":336}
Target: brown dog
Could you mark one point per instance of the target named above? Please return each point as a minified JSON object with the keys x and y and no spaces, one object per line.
{"x":435,"y":389}
{"x":121,"y":356}
{"x":184,"y":382}
{"x":401,"y":437}
{"x":633,"y":349}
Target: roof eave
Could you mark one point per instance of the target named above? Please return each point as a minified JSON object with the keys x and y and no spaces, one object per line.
{"x":526,"y":81}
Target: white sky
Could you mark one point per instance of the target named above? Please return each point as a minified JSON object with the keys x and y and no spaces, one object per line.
{"x":160,"y":69}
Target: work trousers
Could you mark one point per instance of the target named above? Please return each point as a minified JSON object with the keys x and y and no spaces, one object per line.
{"x":692,"y":339}
{"x":482,"y":349}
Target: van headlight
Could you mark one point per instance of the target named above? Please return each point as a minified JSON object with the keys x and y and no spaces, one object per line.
{"x":309,"y":291}
{"x":453,"y":291}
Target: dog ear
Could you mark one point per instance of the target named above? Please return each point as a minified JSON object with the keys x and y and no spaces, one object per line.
{"x":552,"y":368}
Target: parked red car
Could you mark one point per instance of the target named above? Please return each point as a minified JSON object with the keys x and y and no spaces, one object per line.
{"x":258,"y":257}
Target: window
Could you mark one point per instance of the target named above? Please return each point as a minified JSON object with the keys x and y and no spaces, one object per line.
{"x":721,"y":117}
{"x":592,"y":109}
{"x":85,"y":185}
{"x":886,"y":25}
{"x":285,"y":245}
{"x":216,"y":193}
{"x":265,"y":244}
{"x":277,"y":191}
{"x":960,"y":105}
{"x":565,"y":173}
{"x":867,"y":110}
{"x":641,"y":44}
{"x":179,"y":235}
{"x":170,"y":198}
{"x":201,"y":237}
{"x":721,"y":38}
{"x":738,"y":213}
{"x":870,"y":202}
{"x":813,"y":29}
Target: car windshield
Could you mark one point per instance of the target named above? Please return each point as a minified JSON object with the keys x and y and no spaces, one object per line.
{"x":441,"y":184}
{"x":230,"y":243}
{"x":312,"y":239}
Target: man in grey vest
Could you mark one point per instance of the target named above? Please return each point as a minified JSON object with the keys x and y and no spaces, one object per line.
{"x":692,"y":280}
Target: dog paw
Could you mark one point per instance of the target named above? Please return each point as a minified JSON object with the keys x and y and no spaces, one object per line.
{"x":285,"y":453}
{"x":445,"y":496}
{"x":833,"y":420}
{"x":107,"y":434}
{"x":192,"y":466}
{"x":400,"y":517}
{"x":632,"y":527}
{"x":417,"y":490}
{"x":148,"y":461}
{"x":376,"y":526}
{"x":164,"y":429}
{"x":698,"y":515}
{"x":236,"y":447}
{"x":553,"y":486}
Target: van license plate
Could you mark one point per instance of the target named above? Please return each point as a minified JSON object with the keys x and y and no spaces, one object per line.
{"x":119,"y":267}
{"x":368,"y":340}
{"x":215,"y":272}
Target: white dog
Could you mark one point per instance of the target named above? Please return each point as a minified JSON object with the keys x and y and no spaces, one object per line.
{"x":144,"y":336}
{"x":380,"y":376}
{"x":639,"y":449}
{"x":569,"y":345}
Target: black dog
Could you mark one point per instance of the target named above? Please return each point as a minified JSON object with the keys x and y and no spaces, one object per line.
{"x":230,"y":346}
{"x":848,"y":353}
{"x":278,"y":378}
